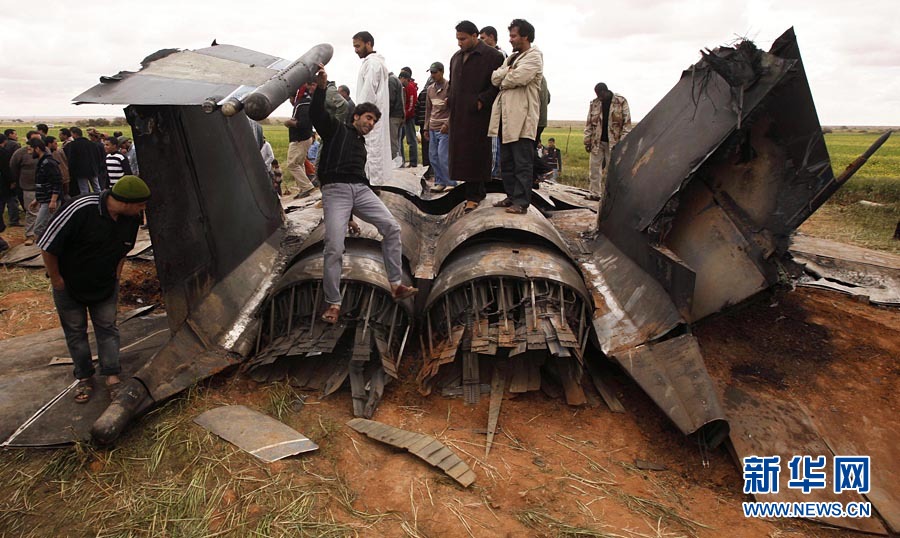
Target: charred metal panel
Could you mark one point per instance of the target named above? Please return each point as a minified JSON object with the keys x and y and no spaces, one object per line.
{"x":715,"y":174}
{"x":630,"y":307}
{"x":211,"y":206}
{"x":674,"y":375}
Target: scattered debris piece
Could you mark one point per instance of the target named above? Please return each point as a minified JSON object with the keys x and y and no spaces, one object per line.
{"x":424,"y":446}
{"x":256,"y":433}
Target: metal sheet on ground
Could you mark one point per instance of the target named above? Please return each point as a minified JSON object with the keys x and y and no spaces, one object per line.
{"x":421,"y":445}
{"x":25,"y":393}
{"x":20,"y":253}
{"x":674,"y":375}
{"x":763,"y":424}
{"x":856,"y":271}
{"x":260,"y":435}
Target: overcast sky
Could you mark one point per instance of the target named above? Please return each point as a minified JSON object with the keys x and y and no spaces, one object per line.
{"x":638,"y":47}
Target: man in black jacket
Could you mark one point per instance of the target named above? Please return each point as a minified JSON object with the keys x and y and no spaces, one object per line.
{"x":85,"y":162}
{"x":47,"y":186}
{"x":346,"y":191}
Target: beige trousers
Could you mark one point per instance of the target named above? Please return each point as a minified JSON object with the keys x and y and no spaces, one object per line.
{"x":296,"y":156}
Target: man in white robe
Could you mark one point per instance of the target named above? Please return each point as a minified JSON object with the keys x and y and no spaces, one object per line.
{"x":372,"y":87}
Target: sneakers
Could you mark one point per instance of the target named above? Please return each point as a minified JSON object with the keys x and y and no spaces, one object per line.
{"x":593,"y":197}
{"x":29,"y":241}
{"x":506,"y":202}
{"x":438,"y":188}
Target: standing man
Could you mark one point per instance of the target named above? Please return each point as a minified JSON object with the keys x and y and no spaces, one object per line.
{"x":437,"y":127}
{"x":607,"y":123}
{"x":84,"y":250}
{"x":552,"y":158}
{"x":489,"y":36}
{"x":351,"y":106}
{"x":471,"y":97}
{"x":515,"y":115}
{"x":48,"y":186}
{"x":12,"y":138}
{"x":8,"y":198}
{"x":126,"y":146}
{"x":23,"y":165}
{"x":117,"y":165}
{"x":372,"y":87}
{"x":300,"y":136}
{"x":346,"y":192}
{"x":420,"y":121}
{"x":408,"y":131}
{"x":397,"y":116}
{"x":84,"y":162}
{"x":60,"y":157}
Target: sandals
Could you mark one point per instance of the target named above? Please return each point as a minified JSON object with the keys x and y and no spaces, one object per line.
{"x":83,"y":390}
{"x":470,"y":206}
{"x":331,"y":314}
{"x":506,"y":202}
{"x":517,"y":210}
{"x":404,"y":292}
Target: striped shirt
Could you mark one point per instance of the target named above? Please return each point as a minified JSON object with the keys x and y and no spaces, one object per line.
{"x":117,"y":165}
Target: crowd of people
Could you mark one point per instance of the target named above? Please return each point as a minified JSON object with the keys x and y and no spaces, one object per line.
{"x":480,"y":121}
{"x":42,"y":171}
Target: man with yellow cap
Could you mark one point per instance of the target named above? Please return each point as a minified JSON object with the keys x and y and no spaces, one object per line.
{"x":84,"y":250}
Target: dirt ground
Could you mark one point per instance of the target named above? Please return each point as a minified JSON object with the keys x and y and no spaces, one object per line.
{"x":556,"y":470}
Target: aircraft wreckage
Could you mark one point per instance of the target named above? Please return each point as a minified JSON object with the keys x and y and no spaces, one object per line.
{"x":704,"y":195}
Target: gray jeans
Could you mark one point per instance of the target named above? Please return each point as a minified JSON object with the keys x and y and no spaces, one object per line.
{"x":396,"y":125}
{"x":30,"y":214}
{"x":73,"y":318}
{"x":339,"y":202}
{"x":44,"y":215}
{"x":85,"y":184}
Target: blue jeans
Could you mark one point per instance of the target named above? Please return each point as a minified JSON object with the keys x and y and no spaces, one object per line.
{"x":73,"y":318}
{"x":439,"y":156}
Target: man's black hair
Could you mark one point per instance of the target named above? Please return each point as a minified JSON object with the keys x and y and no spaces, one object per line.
{"x":2,"y":138}
{"x":365,"y":37}
{"x":362,"y":108}
{"x":29,"y":134}
{"x":489,"y":30}
{"x":65,"y":131}
{"x":42,"y":127}
{"x":49,"y":139}
{"x":344,"y":87}
{"x":77,"y":131}
{"x":467,"y":27}
{"x":37,"y":143}
{"x":526,"y":29}
{"x":275,"y":162}
{"x":600,"y":87}
{"x":117,"y":134}
{"x":7,"y":132}
{"x":551,"y":140}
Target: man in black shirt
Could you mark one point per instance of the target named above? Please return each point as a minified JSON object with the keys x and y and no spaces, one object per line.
{"x":84,"y":250}
{"x":346,"y":191}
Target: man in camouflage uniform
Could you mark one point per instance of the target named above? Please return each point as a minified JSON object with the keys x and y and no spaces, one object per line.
{"x":607,"y":123}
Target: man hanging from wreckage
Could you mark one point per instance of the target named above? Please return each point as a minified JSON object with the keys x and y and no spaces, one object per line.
{"x":346,"y":191}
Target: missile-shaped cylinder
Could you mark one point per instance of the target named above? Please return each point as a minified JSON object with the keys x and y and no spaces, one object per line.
{"x":265,"y":99}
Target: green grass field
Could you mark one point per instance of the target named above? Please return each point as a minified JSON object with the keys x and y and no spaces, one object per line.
{"x":843,"y":218}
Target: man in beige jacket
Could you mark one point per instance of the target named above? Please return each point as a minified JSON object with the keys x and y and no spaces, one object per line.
{"x":515,"y":115}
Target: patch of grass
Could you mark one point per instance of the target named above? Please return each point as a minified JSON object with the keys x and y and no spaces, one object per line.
{"x":550,"y":526}
{"x":13,"y":279}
